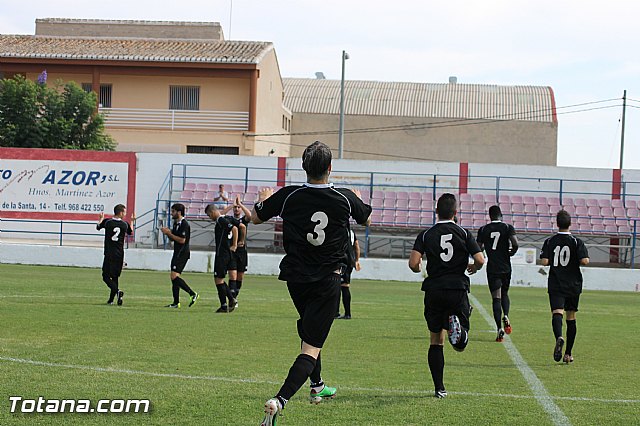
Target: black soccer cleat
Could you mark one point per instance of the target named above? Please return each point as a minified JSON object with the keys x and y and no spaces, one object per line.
{"x":440,"y":393}
{"x":557,"y":350}
{"x":120,"y":295}
{"x":222,"y":309}
{"x":345,"y":316}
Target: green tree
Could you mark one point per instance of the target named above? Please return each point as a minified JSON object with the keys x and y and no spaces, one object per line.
{"x":33,"y":115}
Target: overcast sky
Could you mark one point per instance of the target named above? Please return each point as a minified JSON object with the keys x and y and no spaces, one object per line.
{"x":585,"y":50}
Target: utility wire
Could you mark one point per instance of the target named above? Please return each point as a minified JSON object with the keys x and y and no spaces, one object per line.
{"x":447,"y":123}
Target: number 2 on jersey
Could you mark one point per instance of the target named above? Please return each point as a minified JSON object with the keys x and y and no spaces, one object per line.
{"x":321,"y":219}
{"x":116,"y":232}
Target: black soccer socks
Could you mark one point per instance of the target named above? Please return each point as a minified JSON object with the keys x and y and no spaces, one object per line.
{"x":571,"y":335}
{"x":497,"y":311}
{"x":315,"y":374}
{"x":556,"y":323}
{"x":436,"y":365}
{"x":506,"y":303}
{"x":346,"y":300}
{"x":222,"y":293}
{"x":299,"y":372}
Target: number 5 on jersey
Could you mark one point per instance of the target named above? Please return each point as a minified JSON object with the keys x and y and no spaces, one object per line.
{"x":321,"y":220}
{"x":447,"y":247}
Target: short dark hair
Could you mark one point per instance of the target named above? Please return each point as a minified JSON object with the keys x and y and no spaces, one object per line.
{"x":178,"y":207}
{"x":495,"y":213}
{"x":209,"y":208}
{"x":119,"y":208}
{"x":563,"y":219}
{"x":446,"y":206}
{"x":316,"y":160}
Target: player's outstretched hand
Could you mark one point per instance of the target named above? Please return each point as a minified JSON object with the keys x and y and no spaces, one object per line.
{"x":237,"y":201}
{"x":101,"y":216}
{"x":133,"y":217}
{"x":472,"y":269}
{"x":233,"y":248}
{"x":357,"y":192}
{"x":358,"y":267}
{"x":165,"y":230}
{"x":265,"y":193}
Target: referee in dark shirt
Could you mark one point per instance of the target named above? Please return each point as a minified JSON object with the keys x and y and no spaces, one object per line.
{"x":316,"y":239}
{"x":564,"y":253}
{"x":180,"y":234}
{"x":447,"y":247}
{"x":115,"y":230}
{"x":499,"y":241}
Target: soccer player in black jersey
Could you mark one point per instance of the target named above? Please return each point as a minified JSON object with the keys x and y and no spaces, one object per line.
{"x":226,"y":228}
{"x":316,"y":239}
{"x":564,"y":253}
{"x":243,"y":215}
{"x":500,"y":242}
{"x":180,"y":235}
{"x":345,"y":279}
{"x":115,"y":230}
{"x":447,"y":248}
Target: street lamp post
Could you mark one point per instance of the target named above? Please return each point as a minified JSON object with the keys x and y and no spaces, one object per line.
{"x":345,"y":56}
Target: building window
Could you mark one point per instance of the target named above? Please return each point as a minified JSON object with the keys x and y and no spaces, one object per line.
{"x":224,"y":150}
{"x":184,"y":97}
{"x":104,"y":99}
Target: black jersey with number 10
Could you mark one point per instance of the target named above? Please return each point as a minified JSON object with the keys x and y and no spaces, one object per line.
{"x":564,"y":252}
{"x":315,"y":228}
{"x":447,"y":248}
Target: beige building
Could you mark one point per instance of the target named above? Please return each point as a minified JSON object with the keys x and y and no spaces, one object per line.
{"x":441,"y":122}
{"x":163,"y":86}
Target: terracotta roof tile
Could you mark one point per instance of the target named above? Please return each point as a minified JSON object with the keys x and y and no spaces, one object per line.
{"x":133,"y":49}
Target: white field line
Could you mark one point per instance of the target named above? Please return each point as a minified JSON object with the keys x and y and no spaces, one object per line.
{"x":539,"y":391}
{"x":269,"y":382}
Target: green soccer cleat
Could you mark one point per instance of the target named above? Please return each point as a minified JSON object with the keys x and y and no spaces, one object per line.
{"x":194,"y":299}
{"x":327,"y":392}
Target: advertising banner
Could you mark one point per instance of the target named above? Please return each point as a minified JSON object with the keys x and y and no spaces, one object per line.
{"x":59,"y":184}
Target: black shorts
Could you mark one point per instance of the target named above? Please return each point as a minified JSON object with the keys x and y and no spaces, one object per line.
{"x":439,"y":304}
{"x":317,"y":304}
{"x":346,"y":275}
{"x":112,"y":265}
{"x":178,"y":262}
{"x":563,"y":301}
{"x":497,"y":281}
{"x":223,"y":262}
{"x":241,"y":259}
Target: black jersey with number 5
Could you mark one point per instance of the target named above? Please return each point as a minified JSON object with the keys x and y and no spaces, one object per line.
{"x":564,"y":252}
{"x":495,"y":237}
{"x":315,"y":228}
{"x":447,"y":248}
{"x":115,"y":230}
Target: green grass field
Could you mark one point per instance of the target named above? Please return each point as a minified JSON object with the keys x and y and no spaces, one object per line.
{"x":59,"y":340}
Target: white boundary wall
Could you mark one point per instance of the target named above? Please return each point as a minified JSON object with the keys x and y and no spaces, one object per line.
{"x":266,"y":264}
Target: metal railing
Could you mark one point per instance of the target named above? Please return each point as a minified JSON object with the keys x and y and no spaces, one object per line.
{"x":168,"y":119}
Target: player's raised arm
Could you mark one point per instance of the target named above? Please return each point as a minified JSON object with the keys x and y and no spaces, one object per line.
{"x":99,"y":225}
{"x":263,"y":195}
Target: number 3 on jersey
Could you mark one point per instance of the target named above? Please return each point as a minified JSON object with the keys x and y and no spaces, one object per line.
{"x":321,"y":220}
{"x":447,"y":247}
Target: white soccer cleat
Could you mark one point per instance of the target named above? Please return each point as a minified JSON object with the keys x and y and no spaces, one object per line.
{"x":271,"y":410}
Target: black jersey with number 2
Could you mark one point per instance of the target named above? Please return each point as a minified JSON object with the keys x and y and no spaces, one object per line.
{"x":114,"y":232}
{"x":447,"y":247}
{"x":564,"y":252}
{"x":495,"y":237}
{"x":315,"y":228}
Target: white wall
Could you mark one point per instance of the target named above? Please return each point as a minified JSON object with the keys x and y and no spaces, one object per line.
{"x":265,"y":264}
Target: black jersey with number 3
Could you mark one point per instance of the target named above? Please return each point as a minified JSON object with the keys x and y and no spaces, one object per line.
{"x":315,"y":228}
{"x":222,"y":231}
{"x":447,"y":248}
{"x":564,"y":252}
{"x":495,"y":237}
{"x":115,"y":231}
